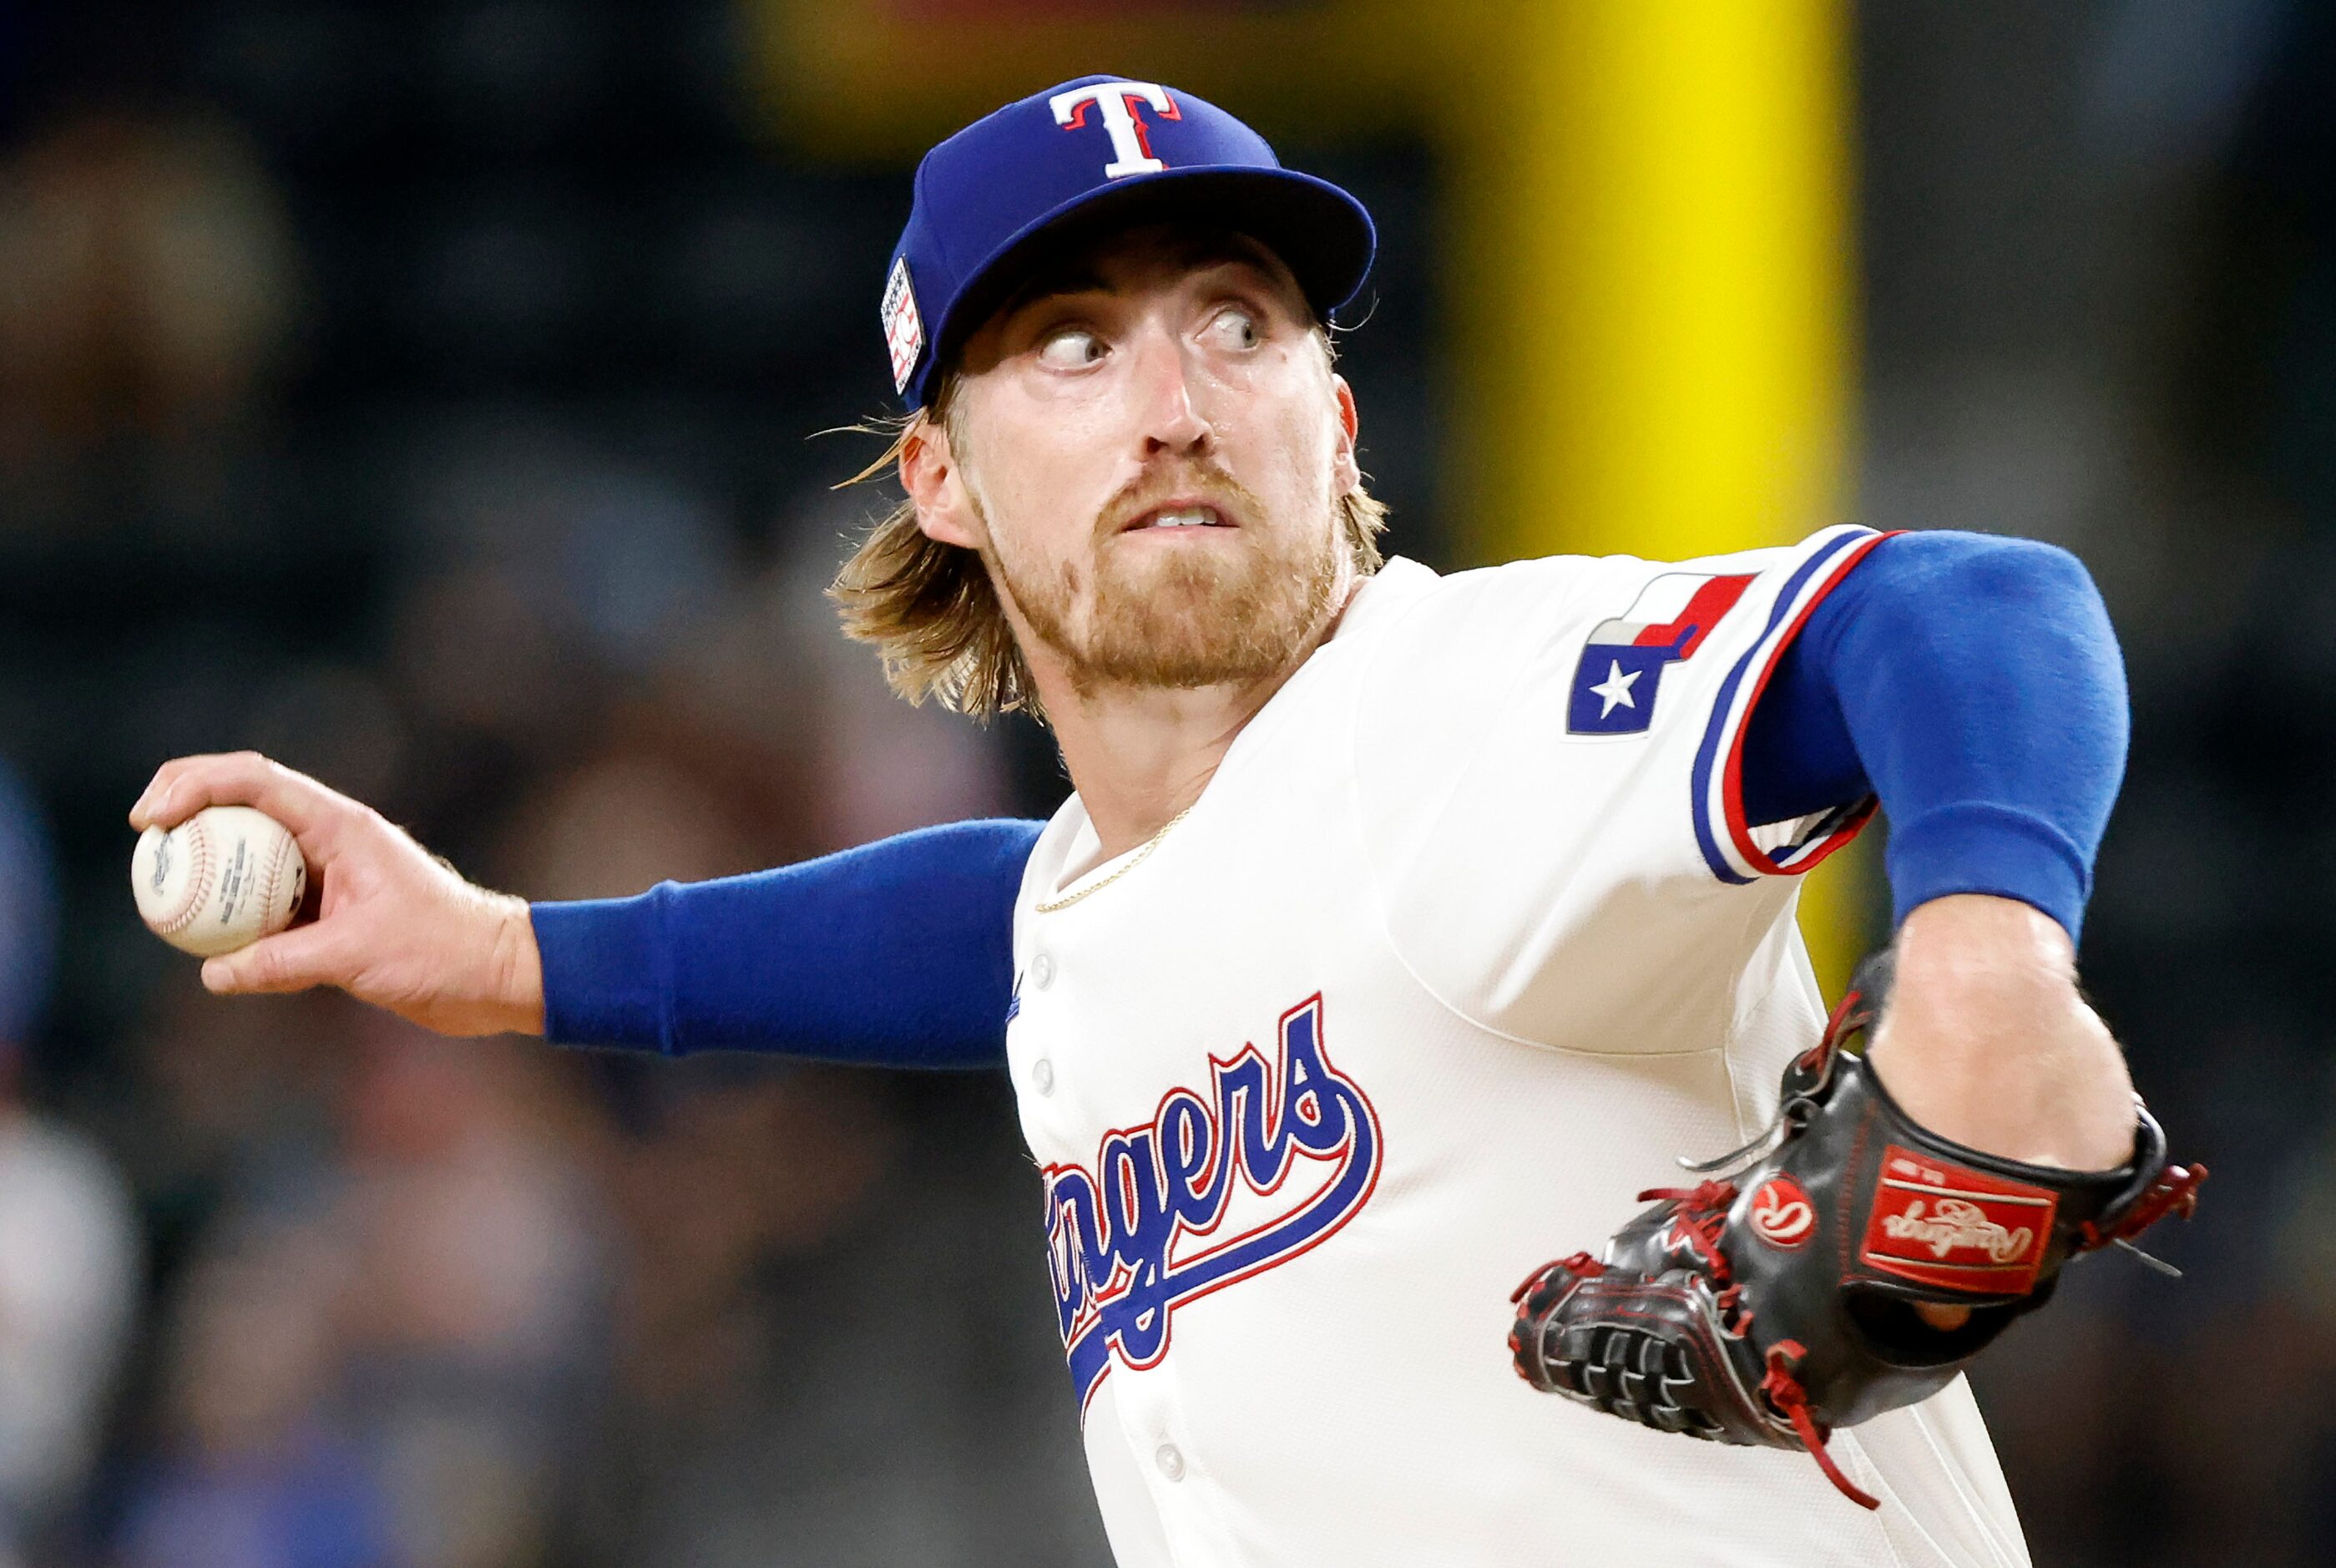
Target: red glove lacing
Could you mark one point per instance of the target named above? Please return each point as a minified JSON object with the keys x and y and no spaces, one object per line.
{"x":1700,"y":1218}
{"x":1785,"y":1392}
{"x":2175,"y":1191}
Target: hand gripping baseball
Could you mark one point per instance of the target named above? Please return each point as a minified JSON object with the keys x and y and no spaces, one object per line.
{"x":395,"y":926}
{"x":1769,"y":1308}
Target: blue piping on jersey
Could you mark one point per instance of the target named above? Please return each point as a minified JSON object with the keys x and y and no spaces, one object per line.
{"x":1710,"y":748}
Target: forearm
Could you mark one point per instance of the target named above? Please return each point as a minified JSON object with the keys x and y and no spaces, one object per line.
{"x":1973,"y":684}
{"x":897,"y":954}
{"x":1988,"y":1041}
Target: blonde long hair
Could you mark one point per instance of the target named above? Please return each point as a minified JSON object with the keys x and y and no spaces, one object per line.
{"x":929,"y":608}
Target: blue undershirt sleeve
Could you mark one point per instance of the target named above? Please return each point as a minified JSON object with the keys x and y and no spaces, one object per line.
{"x":1974,"y":685}
{"x":1971,"y":683}
{"x":899,"y":953}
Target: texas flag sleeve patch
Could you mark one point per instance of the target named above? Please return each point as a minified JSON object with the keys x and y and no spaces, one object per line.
{"x":1621,"y":666}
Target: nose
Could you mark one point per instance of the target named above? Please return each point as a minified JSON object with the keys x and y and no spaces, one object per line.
{"x":1169,"y":419}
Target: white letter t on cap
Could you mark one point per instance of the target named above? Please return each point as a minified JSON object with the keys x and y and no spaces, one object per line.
{"x":1131,"y":148}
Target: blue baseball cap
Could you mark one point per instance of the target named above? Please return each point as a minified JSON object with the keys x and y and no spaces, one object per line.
{"x":1103,"y":152}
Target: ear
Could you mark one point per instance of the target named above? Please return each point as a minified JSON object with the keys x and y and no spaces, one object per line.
{"x":1346,"y":473}
{"x":933,"y":481}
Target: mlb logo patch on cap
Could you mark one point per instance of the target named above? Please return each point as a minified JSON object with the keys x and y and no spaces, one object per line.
{"x":904,"y":330}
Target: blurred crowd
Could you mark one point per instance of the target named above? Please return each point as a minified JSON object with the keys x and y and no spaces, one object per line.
{"x":298,"y":451}
{"x":419,"y":396}
{"x":2099,"y":251}
{"x":420,"y":1302}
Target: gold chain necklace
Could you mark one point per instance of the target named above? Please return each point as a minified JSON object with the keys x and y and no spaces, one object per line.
{"x":1143,"y":853}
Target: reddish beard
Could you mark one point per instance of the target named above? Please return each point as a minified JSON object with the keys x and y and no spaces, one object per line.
{"x":1176,"y":615}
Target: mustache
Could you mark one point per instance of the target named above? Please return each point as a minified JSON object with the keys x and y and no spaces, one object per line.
{"x":1185,"y":480}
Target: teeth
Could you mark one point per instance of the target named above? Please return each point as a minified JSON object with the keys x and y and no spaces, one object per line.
{"x":1190,"y":517}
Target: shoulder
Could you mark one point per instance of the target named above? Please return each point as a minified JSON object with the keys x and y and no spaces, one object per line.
{"x":1533,"y":619}
{"x":1439,"y":645}
{"x":1533,"y":597}
{"x":1407,"y":601}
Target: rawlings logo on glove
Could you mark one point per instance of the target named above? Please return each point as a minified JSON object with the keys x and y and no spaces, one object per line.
{"x":1770,"y":1308}
{"x":1781,"y":1215}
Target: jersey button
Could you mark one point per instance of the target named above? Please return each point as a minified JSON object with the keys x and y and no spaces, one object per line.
{"x":1170,"y":1460}
{"x":1042,"y":1076}
{"x":1042,"y":971}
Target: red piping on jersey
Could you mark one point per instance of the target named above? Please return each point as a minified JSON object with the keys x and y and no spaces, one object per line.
{"x":1731,"y":785}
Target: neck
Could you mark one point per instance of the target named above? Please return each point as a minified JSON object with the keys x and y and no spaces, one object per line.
{"x":1138,"y":756}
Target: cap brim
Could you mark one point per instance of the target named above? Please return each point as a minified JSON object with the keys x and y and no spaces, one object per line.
{"x":1322,"y":234}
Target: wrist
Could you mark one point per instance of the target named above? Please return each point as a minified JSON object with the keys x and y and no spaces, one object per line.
{"x":515,"y":996}
{"x":1984,"y":943}
{"x":1987,"y":1039}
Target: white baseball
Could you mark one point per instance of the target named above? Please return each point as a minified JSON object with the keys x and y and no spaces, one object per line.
{"x":222,"y":880}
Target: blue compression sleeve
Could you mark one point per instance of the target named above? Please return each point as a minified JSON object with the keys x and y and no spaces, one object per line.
{"x":1974,"y":684}
{"x":898,"y":954}
{"x":1971,"y":683}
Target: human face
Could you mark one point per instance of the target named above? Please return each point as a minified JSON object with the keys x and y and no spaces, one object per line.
{"x":1147,"y":446}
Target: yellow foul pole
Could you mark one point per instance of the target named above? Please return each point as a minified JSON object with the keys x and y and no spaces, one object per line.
{"x":1655,"y":294}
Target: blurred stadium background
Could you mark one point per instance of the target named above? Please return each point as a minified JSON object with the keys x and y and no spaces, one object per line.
{"x":421,"y":393}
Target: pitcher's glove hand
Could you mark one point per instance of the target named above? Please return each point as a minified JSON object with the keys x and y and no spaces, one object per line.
{"x":1773,"y":1306}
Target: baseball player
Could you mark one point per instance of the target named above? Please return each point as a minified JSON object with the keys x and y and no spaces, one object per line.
{"x":1401,"y":928}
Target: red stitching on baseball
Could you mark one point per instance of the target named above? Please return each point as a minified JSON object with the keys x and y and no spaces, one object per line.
{"x":197,"y":844}
{"x":275,"y":870}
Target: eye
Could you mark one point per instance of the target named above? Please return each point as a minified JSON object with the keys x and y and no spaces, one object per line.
{"x":1234,"y":327}
{"x":1069,"y":348}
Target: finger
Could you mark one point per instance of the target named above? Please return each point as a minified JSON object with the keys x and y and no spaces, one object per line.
{"x":184,"y":785}
{"x":141,"y":814}
{"x":290,"y":960}
{"x":313,"y":812}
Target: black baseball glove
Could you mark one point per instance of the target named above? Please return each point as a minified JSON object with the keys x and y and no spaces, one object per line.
{"x":1776,"y":1305}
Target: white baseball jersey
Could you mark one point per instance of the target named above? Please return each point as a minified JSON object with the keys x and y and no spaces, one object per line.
{"x":1465,"y":941}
